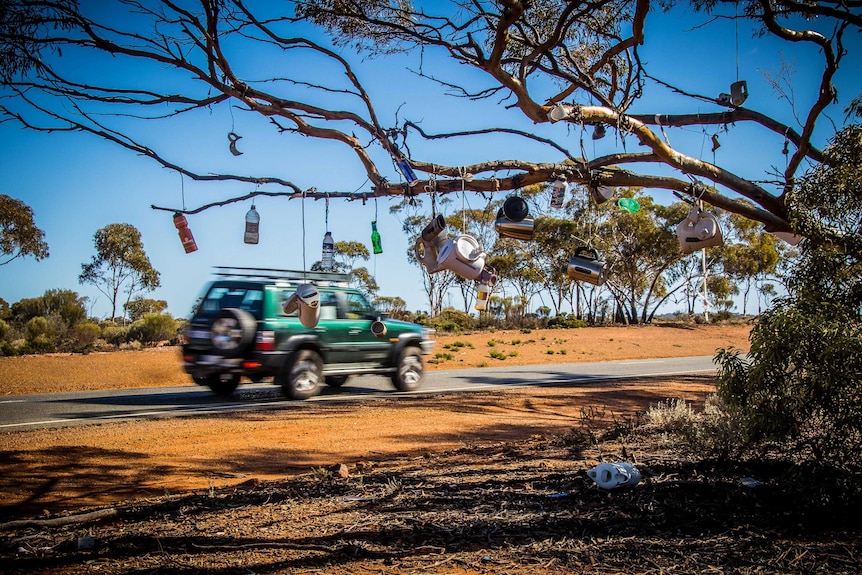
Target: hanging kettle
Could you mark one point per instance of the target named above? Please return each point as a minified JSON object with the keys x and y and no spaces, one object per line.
{"x":429,"y":243}
{"x":462,"y":256}
{"x":699,"y":230}
{"x":586,"y":266}
{"x":512,"y":221}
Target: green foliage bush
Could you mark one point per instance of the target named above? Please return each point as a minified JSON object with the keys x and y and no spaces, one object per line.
{"x":566,"y":321}
{"x":36,"y":327}
{"x":152,"y":328}
{"x":4,"y":329}
{"x":84,"y":335}
{"x":450,"y":321}
{"x":116,"y":334}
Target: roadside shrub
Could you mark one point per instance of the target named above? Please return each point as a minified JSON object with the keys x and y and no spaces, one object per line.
{"x":36,"y":327}
{"x":116,"y":334}
{"x":38,"y":345}
{"x":4,"y":329}
{"x":153,"y":327}
{"x":84,"y":335}
{"x":566,"y":321}
{"x":715,"y":433}
{"x":450,"y":320}
{"x":7,"y":349}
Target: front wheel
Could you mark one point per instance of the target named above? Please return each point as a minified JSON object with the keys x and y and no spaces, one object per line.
{"x":224,"y":384}
{"x":410,"y":371}
{"x":302,"y":375}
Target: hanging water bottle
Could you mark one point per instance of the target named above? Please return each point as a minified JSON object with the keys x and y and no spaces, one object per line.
{"x":558,"y":193}
{"x":375,"y":238}
{"x":252,"y":226}
{"x":328,"y":252}
{"x":186,"y":236}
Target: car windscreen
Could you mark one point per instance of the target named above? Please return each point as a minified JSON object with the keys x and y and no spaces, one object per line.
{"x":221,"y":297}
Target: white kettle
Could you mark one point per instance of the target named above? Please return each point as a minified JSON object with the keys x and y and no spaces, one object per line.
{"x":699,"y":230}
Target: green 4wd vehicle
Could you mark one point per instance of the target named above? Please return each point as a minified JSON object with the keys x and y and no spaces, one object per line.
{"x":241,"y":329}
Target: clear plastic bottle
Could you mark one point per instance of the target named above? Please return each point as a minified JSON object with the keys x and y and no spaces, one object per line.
{"x":328,"y":252}
{"x":252,"y":226}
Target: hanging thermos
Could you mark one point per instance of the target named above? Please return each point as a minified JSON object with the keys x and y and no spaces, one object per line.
{"x":252,"y":226}
{"x":328,"y":252}
{"x":375,"y":239}
{"x":586,"y":266}
{"x":186,"y":236}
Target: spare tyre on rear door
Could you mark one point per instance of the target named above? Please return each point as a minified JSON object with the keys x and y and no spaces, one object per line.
{"x":232,"y":332}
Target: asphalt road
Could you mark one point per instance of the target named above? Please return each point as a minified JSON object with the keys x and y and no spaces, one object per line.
{"x":64,"y":409}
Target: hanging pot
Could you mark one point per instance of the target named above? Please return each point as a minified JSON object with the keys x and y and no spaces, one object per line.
{"x":512,"y":221}
{"x":699,"y":230}
{"x":586,"y":266}
{"x":738,"y":92}
{"x":462,"y":256}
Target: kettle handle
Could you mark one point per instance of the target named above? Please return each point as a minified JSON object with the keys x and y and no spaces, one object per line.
{"x":585,"y":249}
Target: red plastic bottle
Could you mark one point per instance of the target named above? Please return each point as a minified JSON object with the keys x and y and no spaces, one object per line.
{"x":186,"y":236}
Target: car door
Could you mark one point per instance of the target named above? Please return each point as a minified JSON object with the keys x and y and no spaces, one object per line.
{"x":356,"y":315}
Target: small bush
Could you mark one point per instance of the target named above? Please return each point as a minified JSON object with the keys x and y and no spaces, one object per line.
{"x":153,"y":327}
{"x":443,"y":356}
{"x":491,"y":343}
{"x":84,"y":335}
{"x":497,"y":354}
{"x":116,"y":334}
{"x":4,"y":329}
{"x":550,"y":352}
{"x":566,"y":321}
{"x":36,"y":327}
{"x":37,"y":345}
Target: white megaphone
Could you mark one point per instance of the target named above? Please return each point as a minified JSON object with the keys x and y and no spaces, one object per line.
{"x":430,"y":242}
{"x":462,"y":256}
{"x":699,"y":230}
{"x":306,"y":299}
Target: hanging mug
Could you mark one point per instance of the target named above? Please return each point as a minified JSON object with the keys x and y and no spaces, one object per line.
{"x":483,"y":294}
{"x":462,"y":256}
{"x":586,"y":266}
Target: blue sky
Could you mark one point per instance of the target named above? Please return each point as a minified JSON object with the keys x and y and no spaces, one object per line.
{"x":77,"y":183}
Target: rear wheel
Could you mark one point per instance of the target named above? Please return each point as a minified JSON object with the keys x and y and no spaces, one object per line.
{"x":410,"y":371}
{"x":336,"y":380}
{"x":222,"y":384}
{"x":302,"y":375}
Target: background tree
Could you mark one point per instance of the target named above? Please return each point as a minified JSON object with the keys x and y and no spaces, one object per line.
{"x":799,"y":384}
{"x":140,"y":306}
{"x":344,"y":260}
{"x":66,"y":304}
{"x":19,"y":235}
{"x":120,"y":264}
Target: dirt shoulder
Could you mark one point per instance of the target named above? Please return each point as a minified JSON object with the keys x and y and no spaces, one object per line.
{"x":56,"y":470}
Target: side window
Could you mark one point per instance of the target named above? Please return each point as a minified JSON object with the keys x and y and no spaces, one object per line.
{"x":328,"y":306}
{"x":357,"y":306}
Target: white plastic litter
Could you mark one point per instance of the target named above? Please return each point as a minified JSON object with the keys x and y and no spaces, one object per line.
{"x":613,"y":475}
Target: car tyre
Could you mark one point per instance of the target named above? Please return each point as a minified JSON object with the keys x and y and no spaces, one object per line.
{"x":233,"y":332}
{"x":302,"y":375}
{"x":223,"y":384}
{"x":409,"y":371}
{"x":336,"y":380}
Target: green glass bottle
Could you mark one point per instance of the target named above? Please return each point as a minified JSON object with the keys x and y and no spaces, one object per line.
{"x":375,"y":238}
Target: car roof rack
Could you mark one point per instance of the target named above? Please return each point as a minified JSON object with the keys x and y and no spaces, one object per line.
{"x":284,"y":276}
